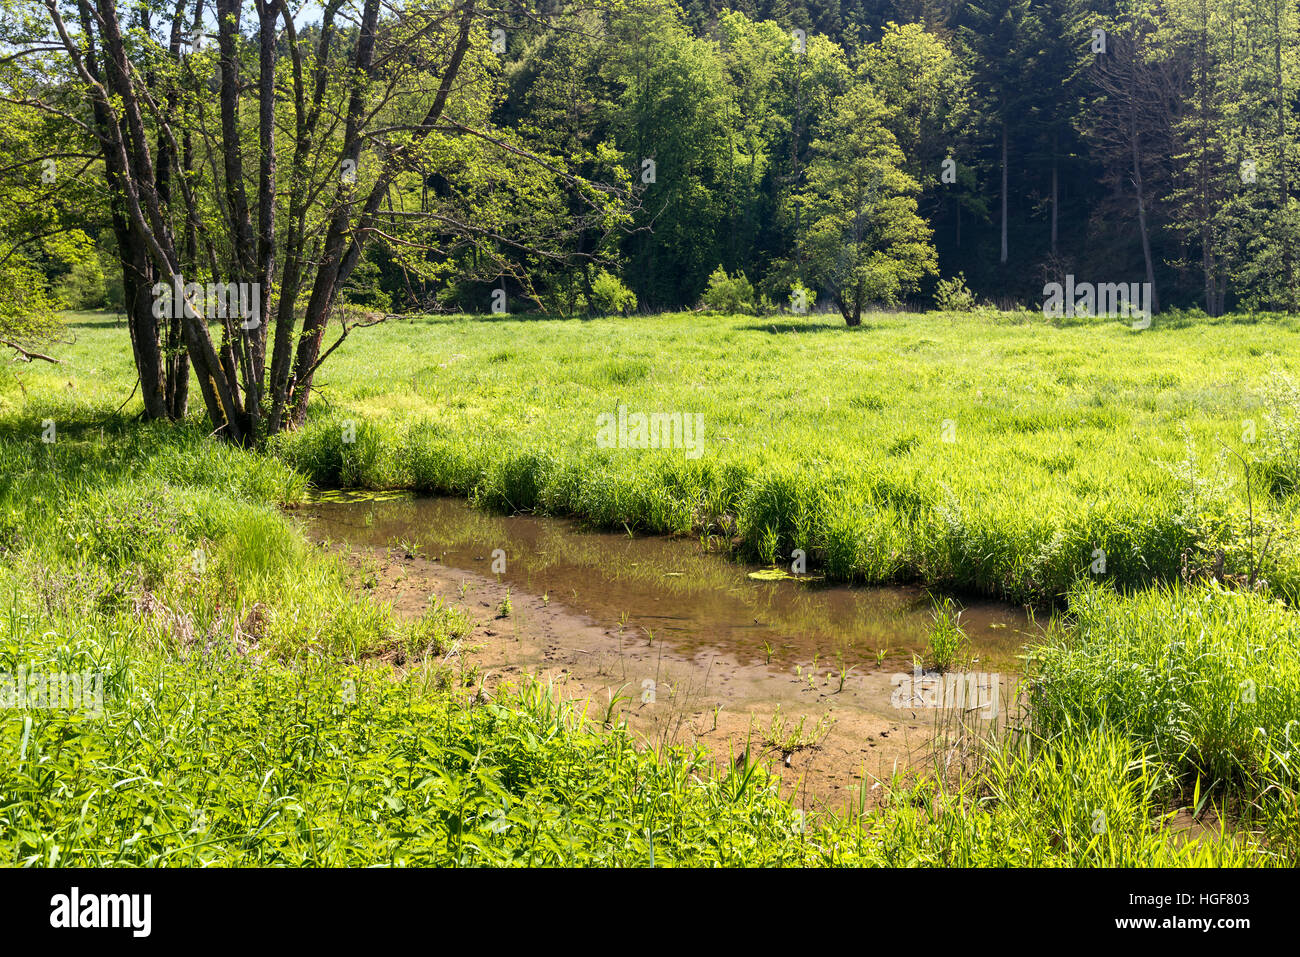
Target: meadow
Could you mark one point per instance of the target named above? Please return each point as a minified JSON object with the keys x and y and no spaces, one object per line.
{"x":988,"y":455}
{"x":1140,"y":484}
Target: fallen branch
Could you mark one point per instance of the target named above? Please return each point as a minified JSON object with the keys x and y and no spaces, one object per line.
{"x":29,"y":356}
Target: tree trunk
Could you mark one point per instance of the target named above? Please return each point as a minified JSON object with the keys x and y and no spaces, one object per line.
{"x":137,"y":288}
{"x":853,"y":310}
{"x":1141,"y":197}
{"x":1004,"y":186}
{"x":1283,"y":186}
{"x":1055,"y":191}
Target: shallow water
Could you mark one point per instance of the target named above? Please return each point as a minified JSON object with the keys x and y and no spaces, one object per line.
{"x":693,"y":600}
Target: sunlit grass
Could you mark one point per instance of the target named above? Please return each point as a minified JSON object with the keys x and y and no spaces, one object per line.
{"x":253,"y":714}
{"x":1064,"y":441}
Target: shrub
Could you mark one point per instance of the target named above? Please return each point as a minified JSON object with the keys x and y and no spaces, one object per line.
{"x":801,"y":298}
{"x":365,"y":286}
{"x":83,"y":287}
{"x":609,"y":295}
{"x":953,"y":295}
{"x":28,"y":312}
{"x":729,"y":294}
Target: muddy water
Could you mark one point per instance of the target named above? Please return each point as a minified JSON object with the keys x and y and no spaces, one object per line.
{"x":683,"y":645}
{"x":672,"y":591}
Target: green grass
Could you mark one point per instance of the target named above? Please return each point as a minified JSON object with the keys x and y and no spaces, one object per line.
{"x":1066,"y":441}
{"x":1209,"y":677}
{"x":948,"y":645}
{"x":1088,"y":800}
{"x":252,"y":715}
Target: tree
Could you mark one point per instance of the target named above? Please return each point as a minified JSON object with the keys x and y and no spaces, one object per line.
{"x":670,"y":120}
{"x":41,"y":211}
{"x":560,"y":101}
{"x":754,"y":55}
{"x":1261,"y":82}
{"x":1131,"y":125}
{"x":999,"y":35}
{"x":814,"y":75}
{"x":866,"y":242}
{"x":927,"y":95}
{"x":1192,"y":30}
{"x":277,"y":198}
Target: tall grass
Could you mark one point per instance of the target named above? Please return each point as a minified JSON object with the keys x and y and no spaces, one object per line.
{"x":833,"y":441}
{"x":1207,"y":678}
{"x":253,"y":716}
{"x":1084,"y":800}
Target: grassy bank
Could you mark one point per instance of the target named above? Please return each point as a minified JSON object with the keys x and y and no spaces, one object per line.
{"x":1064,"y":443}
{"x":994,"y":454}
{"x":246,"y":715}
{"x":250,"y":714}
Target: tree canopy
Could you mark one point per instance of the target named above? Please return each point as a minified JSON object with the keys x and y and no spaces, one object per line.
{"x":353,"y":159}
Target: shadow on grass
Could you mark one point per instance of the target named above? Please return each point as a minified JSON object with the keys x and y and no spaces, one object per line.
{"x":94,"y":320}
{"x":484,"y":318}
{"x":780,"y":327}
{"x":75,"y":423}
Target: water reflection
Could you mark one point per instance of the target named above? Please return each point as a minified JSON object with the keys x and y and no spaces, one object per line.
{"x":687,"y":597}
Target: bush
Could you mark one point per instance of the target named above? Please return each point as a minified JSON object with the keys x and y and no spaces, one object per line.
{"x":801,"y":298}
{"x":114,"y":292}
{"x":953,"y":295}
{"x":729,"y":294}
{"x":28,"y":311}
{"x":610,"y":296}
{"x":365,"y":287}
